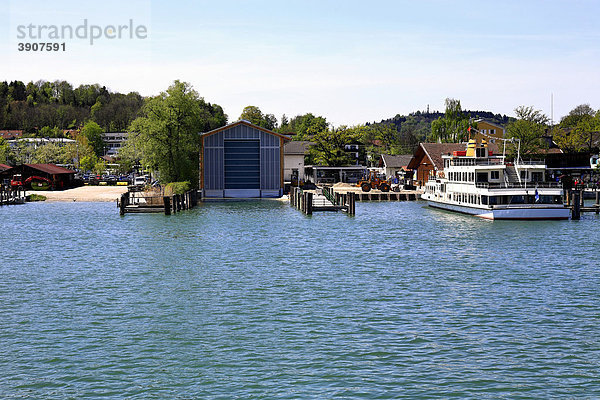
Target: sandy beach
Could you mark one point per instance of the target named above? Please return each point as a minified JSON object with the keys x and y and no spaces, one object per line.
{"x":83,"y":193}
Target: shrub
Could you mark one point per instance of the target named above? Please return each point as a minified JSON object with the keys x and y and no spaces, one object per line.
{"x":36,"y":197}
{"x":177,"y":188}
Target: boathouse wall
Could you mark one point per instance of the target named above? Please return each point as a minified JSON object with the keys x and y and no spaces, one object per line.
{"x":241,"y":160}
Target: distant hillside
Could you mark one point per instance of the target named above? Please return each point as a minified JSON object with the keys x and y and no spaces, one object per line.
{"x":419,"y":123}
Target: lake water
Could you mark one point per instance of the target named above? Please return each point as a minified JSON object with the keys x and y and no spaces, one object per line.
{"x":254,"y":300}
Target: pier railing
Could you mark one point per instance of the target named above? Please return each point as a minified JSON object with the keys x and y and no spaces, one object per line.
{"x":516,"y":185}
{"x":9,"y":195}
{"x":156,"y":202}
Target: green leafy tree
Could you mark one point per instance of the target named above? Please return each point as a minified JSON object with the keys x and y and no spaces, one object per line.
{"x":329,"y":146}
{"x":167,"y":132}
{"x":254,"y":115}
{"x":93,"y":133}
{"x":577,"y":129}
{"x":5,"y":152}
{"x":88,"y":162}
{"x":452,"y":128}
{"x":528,"y":131}
{"x":303,"y":127}
{"x":50,"y":153}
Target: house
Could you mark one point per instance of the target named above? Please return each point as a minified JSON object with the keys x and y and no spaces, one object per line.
{"x":60,"y":177}
{"x":356,"y":152}
{"x":241,"y":160}
{"x":392,"y":165}
{"x":427,"y":160}
{"x":11,"y":134}
{"x":113,"y":142}
{"x":489,"y":131}
{"x":293,"y":159}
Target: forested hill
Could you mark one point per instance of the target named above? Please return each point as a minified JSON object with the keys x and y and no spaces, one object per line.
{"x":419,"y":122}
{"x":35,"y":105}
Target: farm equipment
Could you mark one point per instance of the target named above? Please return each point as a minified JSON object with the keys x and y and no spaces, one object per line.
{"x":372,"y":181}
{"x":38,"y":183}
{"x":35,"y":182}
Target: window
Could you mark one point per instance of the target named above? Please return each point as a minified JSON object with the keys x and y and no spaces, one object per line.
{"x":524,"y":175}
{"x":492,"y":131}
{"x":537,"y":177}
{"x":495,"y":175}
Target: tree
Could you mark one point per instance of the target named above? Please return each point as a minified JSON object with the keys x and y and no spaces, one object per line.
{"x":254,"y":115}
{"x":329,"y":146}
{"x":50,"y":153}
{"x":452,"y":128}
{"x":303,"y":127}
{"x":167,"y":132}
{"x":4,"y":151}
{"x":582,"y":112}
{"x":527,"y":131}
{"x":93,"y":133}
{"x":577,"y":129}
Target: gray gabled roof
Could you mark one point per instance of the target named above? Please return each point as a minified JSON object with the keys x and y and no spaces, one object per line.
{"x":298,"y":147}
{"x":399,"y":161}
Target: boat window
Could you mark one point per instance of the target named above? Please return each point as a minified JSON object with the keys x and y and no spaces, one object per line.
{"x":517,"y":200}
{"x":482,"y":177}
{"x":537,"y":176}
{"x":524,"y":175}
{"x":494,"y":174}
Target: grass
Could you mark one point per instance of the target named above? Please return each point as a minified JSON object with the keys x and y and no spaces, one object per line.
{"x":36,"y":197}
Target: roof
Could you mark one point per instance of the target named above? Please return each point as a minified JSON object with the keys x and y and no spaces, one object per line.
{"x":489,"y":123}
{"x":399,"y":161}
{"x":247,"y":123}
{"x":51,"y":169}
{"x":8,"y":134}
{"x":299,"y":147}
{"x":4,"y":167}
{"x":435,"y":151}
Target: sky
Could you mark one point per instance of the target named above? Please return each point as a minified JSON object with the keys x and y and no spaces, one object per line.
{"x":349,"y":61}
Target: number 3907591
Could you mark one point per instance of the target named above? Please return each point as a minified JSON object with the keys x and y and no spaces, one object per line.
{"x":42,"y":46}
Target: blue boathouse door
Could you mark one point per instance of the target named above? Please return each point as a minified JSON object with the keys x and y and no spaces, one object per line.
{"x":242,"y":168}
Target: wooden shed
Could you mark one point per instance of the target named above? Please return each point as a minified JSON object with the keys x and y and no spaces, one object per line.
{"x":241,"y":160}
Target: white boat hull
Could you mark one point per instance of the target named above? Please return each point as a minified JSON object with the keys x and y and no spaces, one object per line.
{"x":514,"y":212}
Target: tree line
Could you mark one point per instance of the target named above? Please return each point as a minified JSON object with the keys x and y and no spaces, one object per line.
{"x":163,"y":129}
{"x":42,"y":104}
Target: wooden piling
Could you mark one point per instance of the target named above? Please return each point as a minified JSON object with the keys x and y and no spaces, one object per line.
{"x":123,"y":203}
{"x":167,"y":202}
{"x":309,"y":203}
{"x":351,"y":203}
{"x":575,"y":211}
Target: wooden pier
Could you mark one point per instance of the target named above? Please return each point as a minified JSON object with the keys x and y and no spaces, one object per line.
{"x":9,"y":196}
{"x":142,"y":202}
{"x":309,"y":201}
{"x":575,"y":201}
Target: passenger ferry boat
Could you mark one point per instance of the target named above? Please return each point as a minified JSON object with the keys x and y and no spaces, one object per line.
{"x":479,"y":183}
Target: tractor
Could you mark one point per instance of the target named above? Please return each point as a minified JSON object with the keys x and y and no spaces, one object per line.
{"x":372,"y":181}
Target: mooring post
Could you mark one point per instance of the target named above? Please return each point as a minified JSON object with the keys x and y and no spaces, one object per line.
{"x":122,"y":204}
{"x":575,"y":211}
{"x":309,"y":203}
{"x":597,"y":205}
{"x":174,"y":203}
{"x":167,"y":203}
{"x":351,"y":203}
{"x":581,"y":194}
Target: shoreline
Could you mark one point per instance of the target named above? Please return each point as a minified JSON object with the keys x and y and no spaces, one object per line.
{"x":82,"y":194}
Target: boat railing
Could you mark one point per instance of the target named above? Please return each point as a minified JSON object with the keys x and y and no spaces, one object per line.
{"x":529,"y":162}
{"x":516,"y":185}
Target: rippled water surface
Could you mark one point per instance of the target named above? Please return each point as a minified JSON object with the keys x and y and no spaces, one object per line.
{"x":252,"y":300}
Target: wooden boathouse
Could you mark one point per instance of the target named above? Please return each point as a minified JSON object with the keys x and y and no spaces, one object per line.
{"x":241,"y":160}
